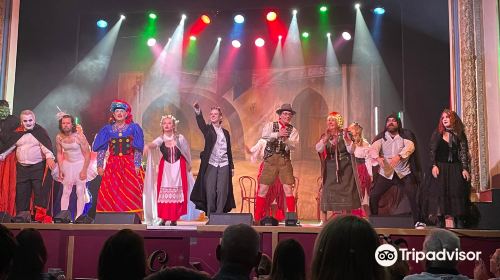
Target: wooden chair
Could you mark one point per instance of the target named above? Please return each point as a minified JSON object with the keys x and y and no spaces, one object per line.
{"x":319,"y":183}
{"x":248,"y":188}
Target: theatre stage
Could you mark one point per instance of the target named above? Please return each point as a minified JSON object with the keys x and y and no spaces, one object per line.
{"x":75,"y":248}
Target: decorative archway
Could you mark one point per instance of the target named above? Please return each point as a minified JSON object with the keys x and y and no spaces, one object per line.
{"x":311,"y":110}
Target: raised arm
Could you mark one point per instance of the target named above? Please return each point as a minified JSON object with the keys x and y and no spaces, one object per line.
{"x":202,"y":125}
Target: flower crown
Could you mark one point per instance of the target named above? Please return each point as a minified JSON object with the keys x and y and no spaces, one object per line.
{"x":337,"y":117}
{"x":176,"y":121}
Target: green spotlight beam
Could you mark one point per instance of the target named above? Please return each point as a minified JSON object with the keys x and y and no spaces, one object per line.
{"x":141,"y":54}
{"x":191,"y":58}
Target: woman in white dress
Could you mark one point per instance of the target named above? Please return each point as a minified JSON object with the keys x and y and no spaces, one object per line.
{"x":168,"y":176}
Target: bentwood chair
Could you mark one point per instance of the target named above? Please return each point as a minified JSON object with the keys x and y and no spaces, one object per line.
{"x":248,"y":188}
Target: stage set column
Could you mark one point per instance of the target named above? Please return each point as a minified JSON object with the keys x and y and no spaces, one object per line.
{"x":469,"y":93}
{"x":9,"y":23}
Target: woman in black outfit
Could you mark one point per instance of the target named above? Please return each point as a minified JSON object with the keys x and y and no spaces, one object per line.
{"x":449,"y":185}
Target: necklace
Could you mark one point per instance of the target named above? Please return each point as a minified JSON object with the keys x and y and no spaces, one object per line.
{"x":168,"y":138}
{"x":120,"y":128}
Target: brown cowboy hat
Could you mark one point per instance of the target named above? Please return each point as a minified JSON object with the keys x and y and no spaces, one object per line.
{"x":285,"y":107}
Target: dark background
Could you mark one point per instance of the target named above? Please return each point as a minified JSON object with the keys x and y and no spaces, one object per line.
{"x":55,"y":34}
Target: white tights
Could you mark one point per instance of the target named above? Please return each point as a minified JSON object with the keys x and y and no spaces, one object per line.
{"x":80,"y":194}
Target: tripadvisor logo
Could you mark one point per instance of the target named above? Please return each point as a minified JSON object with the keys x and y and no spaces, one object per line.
{"x":386,"y":255}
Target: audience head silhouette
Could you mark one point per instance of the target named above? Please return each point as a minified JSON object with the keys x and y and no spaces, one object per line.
{"x":30,"y":256}
{"x":289,"y":261}
{"x":9,"y":245}
{"x":238,"y":251}
{"x":123,"y":257}
{"x":345,"y":249}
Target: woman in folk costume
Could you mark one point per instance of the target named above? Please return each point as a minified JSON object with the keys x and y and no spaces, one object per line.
{"x":168,"y":177}
{"x":123,"y":177}
{"x":275,"y":192}
{"x":340,"y":190}
{"x":361,"y":150}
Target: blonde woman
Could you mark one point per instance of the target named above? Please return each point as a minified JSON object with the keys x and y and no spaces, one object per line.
{"x":169,"y":181}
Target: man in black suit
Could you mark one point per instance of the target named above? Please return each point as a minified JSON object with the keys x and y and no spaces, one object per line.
{"x":213,"y":189}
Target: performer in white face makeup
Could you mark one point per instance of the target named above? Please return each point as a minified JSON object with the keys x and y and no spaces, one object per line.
{"x":28,"y":121}
{"x":34,"y":152}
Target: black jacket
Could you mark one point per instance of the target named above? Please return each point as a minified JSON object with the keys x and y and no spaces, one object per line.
{"x":199,"y":195}
{"x":38,"y":132}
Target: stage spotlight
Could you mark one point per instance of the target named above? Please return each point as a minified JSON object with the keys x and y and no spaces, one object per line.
{"x":152,"y":16}
{"x":379,"y":11}
{"x":328,"y":34}
{"x":305,"y":35}
{"x":357,"y":6}
{"x":122,"y":17}
{"x":280,"y":37}
{"x":192,"y":38}
{"x":219,"y":39}
{"x":239,"y":19}
{"x":294,"y":12}
{"x":259,"y":42}
{"x":151,"y":42}
{"x":346,"y":35}
{"x":183,"y":17}
{"x":236,"y":43}
{"x":271,"y":16}
{"x":205,"y":19}
{"x":323,"y":9}
{"x":102,"y":23}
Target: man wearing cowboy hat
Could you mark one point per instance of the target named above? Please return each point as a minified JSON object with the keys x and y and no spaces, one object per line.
{"x":281,"y":138}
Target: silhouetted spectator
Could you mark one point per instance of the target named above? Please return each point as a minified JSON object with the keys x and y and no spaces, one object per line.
{"x":289,"y":262}
{"x":438,"y":240}
{"x":123,"y":257}
{"x":480,"y":271}
{"x":30,"y":256}
{"x":178,"y":273}
{"x":238,"y":252}
{"x":345,"y":249}
{"x":8,"y":247}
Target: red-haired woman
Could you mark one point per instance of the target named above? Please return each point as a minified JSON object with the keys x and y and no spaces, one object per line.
{"x":449,"y":155}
